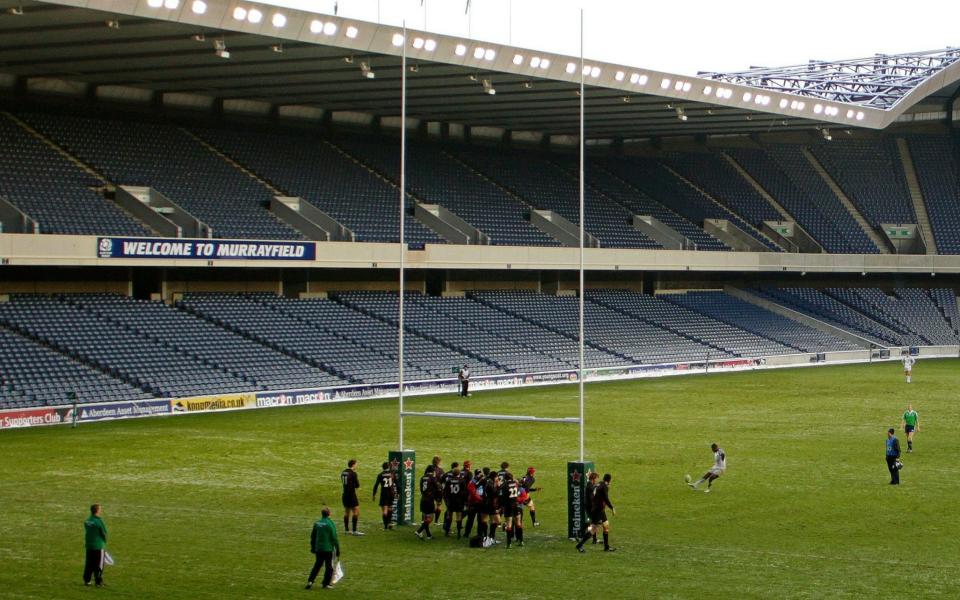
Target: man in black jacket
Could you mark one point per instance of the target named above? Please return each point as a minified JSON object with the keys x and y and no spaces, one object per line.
{"x":893,"y":457}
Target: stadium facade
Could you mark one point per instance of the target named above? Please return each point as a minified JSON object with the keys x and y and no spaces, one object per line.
{"x":201,"y":210}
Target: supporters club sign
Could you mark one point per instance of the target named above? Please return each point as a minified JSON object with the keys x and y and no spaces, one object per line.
{"x":175,"y":248}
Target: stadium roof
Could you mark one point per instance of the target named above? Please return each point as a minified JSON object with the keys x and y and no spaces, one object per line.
{"x":303,"y":63}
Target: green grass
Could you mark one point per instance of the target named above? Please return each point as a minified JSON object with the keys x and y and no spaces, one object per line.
{"x":221,"y":505}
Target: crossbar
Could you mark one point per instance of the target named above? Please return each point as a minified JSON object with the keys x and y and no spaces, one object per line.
{"x":457,"y":415}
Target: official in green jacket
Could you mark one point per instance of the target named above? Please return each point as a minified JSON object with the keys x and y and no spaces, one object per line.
{"x":323,"y":543}
{"x":95,"y":542}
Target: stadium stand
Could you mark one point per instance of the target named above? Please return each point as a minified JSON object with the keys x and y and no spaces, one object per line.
{"x":687,"y":323}
{"x":830,"y":310}
{"x":910,"y":312}
{"x":55,"y":192}
{"x":631,"y":339}
{"x":870,"y":173}
{"x":655,"y":180}
{"x":32,"y":374}
{"x":316,"y":171}
{"x":544,"y":185}
{"x":711,"y":172}
{"x":165,"y":158}
{"x":437,"y":178}
{"x":791,"y":180}
{"x":761,"y":322}
{"x":935,"y":160}
{"x":147,"y":364}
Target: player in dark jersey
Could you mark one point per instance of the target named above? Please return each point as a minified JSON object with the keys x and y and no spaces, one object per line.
{"x":529,"y":482}
{"x":475,"y":505}
{"x":453,"y":498}
{"x":501,"y":478}
{"x":439,"y":474}
{"x":429,"y":492}
{"x":509,"y":492}
{"x":490,"y":516}
{"x":598,"y":513}
{"x":523,"y":499}
{"x":387,"y":482}
{"x":351,"y":505}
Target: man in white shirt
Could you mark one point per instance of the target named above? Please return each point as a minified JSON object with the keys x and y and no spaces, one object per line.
{"x":464,"y":377}
{"x":718,"y":469}
{"x":908,"y":362}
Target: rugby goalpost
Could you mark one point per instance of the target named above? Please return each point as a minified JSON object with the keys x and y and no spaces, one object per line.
{"x":576,"y":470}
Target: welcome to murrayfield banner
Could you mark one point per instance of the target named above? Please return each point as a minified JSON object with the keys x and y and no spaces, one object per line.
{"x":176,"y":248}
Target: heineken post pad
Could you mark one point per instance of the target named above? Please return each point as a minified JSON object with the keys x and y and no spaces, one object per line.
{"x":578,"y":505}
{"x":404,"y":463}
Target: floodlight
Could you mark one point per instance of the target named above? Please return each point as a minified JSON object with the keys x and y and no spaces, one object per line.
{"x":728,"y":93}
{"x":154,"y":3}
{"x":418,"y":42}
{"x":239,"y":13}
{"x":352,"y":32}
{"x":678,"y":86}
{"x":747,"y":96}
{"x":254,"y":16}
{"x":595,"y":72}
{"x":488,"y":87}
{"x":818,"y":108}
{"x":316,"y":26}
{"x":634,"y":78}
{"x":279,"y":20}
{"x":620,"y":75}
{"x":489,"y":54}
{"x":397,"y":39}
{"x":664,"y":83}
{"x":686,"y":86}
{"x":545,"y":63}
{"x":171,"y":4}
{"x":534,"y":61}
{"x":784,"y":102}
{"x":586,"y":69}
{"x":430,"y":45}
{"x":517,"y":59}
{"x":330,"y":28}
{"x":643,"y":79}
{"x":366,"y":71}
{"x":460,"y":50}
{"x":478,"y":53}
{"x":826,"y":134}
{"x":278,"y":48}
{"x":199,"y":7}
{"x":801,"y":105}
{"x":220,"y":48}
{"x":860,"y":115}
{"x":850,"y":114}
{"x":571,"y":67}
{"x":707,"y":90}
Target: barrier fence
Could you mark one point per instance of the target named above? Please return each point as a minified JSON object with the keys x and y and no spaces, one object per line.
{"x":84,"y":413}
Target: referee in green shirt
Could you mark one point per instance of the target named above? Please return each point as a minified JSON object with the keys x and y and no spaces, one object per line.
{"x":95,"y":541}
{"x":911,"y":423}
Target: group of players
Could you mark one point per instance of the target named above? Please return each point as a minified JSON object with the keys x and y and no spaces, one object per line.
{"x":486,"y":498}
{"x":482,"y":497}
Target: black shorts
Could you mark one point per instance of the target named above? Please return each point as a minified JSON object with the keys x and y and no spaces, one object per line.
{"x":908,"y":428}
{"x":598,"y":517}
{"x":489,"y":509}
{"x":509,"y":509}
{"x":350,"y":500}
{"x":455,"y":505}
{"x":387,"y":499}
{"x":427,"y":506}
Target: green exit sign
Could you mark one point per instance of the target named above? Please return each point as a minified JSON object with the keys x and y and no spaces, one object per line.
{"x":899,"y":233}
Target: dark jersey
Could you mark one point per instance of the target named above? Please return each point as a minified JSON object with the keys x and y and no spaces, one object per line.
{"x":528,"y":482}
{"x":387,"y":482}
{"x":350,"y":481}
{"x":601,"y":497}
{"x":452,"y":488}
{"x":464,"y":482}
{"x":429,"y":489}
{"x":490,"y":495}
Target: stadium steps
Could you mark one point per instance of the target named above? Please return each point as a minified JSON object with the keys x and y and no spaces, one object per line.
{"x":753,"y":230}
{"x":237,"y":330}
{"x":640,"y":317}
{"x":916,"y":195}
{"x":233,"y":163}
{"x":858,"y":302}
{"x":847,"y":203}
{"x":607,"y":173}
{"x":409,"y":329}
{"x":784,"y":213}
{"x":547,"y":326}
{"x":106,"y":183}
{"x":386,"y":179}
